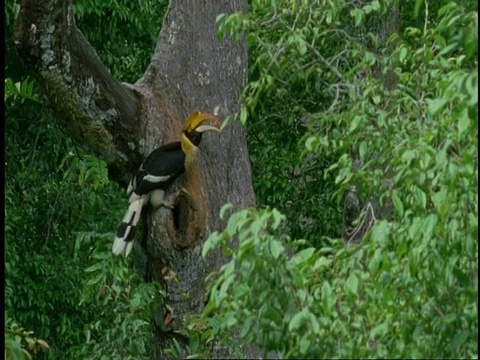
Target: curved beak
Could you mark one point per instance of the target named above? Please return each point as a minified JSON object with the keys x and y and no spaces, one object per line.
{"x":196,"y":119}
{"x":203,"y":128}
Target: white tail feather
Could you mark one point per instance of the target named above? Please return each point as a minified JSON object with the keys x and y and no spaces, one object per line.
{"x":122,"y":241}
{"x":129,"y":248}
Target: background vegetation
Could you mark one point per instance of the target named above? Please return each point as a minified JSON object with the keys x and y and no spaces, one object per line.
{"x":313,"y":107}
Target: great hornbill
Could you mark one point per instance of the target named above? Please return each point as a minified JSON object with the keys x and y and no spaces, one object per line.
{"x":156,"y":174}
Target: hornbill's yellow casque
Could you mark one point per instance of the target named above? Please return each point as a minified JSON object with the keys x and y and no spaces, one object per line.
{"x":157,"y":173}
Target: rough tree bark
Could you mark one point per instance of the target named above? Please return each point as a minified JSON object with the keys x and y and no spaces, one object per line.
{"x":121,"y":123}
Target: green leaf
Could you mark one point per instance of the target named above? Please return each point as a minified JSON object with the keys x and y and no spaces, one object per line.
{"x":403,"y":54}
{"x":408,"y":156}
{"x":380,"y":231}
{"x":355,"y":123}
{"x":278,"y":218}
{"x":440,"y":39}
{"x":135,"y":301}
{"x":429,"y":225}
{"x":276,"y":248}
{"x":414,"y":227}
{"x":304,"y":255}
{"x":95,"y":267}
{"x":435,"y":105}
{"x":379,"y":331}
{"x":449,"y":318}
{"x":328,"y":298}
{"x":322,"y":262}
{"x":463,"y":122}
{"x":352,"y":283}
{"x":418,"y":4}
{"x":94,"y":280}
{"x":358,"y":15}
{"x":243,"y":115}
{"x":313,"y":322}
{"x":311,"y":144}
{"x":375,"y":5}
{"x":397,"y":203}
{"x":421,"y":197}
{"x":460,"y":338}
{"x":448,"y":48}
{"x":363,"y":151}
{"x":301,"y":45}
{"x":296,"y":321}
{"x":224,"y":209}
{"x":304,"y":345}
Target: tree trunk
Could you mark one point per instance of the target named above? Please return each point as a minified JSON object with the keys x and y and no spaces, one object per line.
{"x":190,"y":70}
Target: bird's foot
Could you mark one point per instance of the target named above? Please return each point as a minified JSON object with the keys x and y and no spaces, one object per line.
{"x":185,"y":191}
{"x":178,"y":192}
{"x":170,"y":203}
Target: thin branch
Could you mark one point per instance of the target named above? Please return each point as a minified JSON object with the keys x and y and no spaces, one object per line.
{"x":325,"y":62}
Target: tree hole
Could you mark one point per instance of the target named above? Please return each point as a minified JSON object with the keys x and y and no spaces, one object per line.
{"x":184,"y":226}
{"x":181,"y":218}
{"x":176,"y":216}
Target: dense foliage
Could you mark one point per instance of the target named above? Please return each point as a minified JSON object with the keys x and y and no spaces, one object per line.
{"x":316,"y":103}
{"x":410,"y":288}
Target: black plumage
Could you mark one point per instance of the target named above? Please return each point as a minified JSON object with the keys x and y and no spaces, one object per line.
{"x":167,"y":160}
